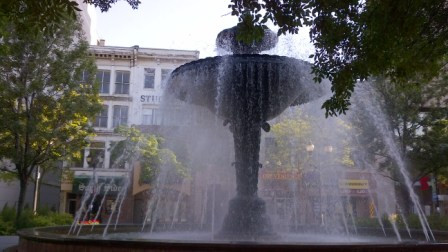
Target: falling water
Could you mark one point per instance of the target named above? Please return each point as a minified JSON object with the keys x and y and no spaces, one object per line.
{"x":97,"y":190}
{"x":84,"y":199}
{"x":294,"y":188}
{"x":107,"y":187}
{"x":344,"y":218}
{"x":372,"y":170}
{"x":378,"y":217}
{"x":176,"y":207}
{"x":126,"y":185}
{"x":404,"y":221}
{"x":213,"y":207}
{"x":351,"y":215}
{"x":153,"y":203}
{"x":392,"y":220}
{"x":204,"y":206}
{"x":155,"y":213}
{"x":149,"y":208}
{"x":381,"y":123}
{"x":114,"y":208}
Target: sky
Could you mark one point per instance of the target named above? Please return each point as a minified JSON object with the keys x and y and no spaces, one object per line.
{"x":179,"y":24}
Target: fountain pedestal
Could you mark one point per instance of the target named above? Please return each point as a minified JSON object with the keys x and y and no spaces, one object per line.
{"x":246,"y":217}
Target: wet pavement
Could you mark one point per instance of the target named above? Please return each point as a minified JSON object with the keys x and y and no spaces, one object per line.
{"x":8,"y":241}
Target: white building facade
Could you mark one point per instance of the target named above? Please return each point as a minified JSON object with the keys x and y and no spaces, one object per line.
{"x":131,"y":85}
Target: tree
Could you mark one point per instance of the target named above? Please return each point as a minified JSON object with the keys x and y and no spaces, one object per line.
{"x":417,"y":115}
{"x":354,"y":40}
{"x":45,"y":16}
{"x":148,"y":151}
{"x":47,"y":97}
{"x":291,"y":133}
{"x":299,"y":127}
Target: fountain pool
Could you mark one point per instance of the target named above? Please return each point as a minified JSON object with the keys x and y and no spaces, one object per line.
{"x":316,"y":210}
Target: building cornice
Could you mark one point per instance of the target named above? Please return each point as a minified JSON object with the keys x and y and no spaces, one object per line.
{"x":132,"y":53}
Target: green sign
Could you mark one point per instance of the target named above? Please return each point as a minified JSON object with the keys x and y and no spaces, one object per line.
{"x":111,"y":185}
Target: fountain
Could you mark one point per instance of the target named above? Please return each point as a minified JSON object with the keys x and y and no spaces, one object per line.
{"x":245,"y":90}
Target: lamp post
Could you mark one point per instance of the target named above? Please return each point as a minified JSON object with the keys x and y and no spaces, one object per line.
{"x":36,"y":191}
{"x":92,"y":162}
{"x":318,"y":174}
{"x":89,"y":161}
{"x":313,"y":180}
{"x":309,"y":147}
{"x":328,"y":148}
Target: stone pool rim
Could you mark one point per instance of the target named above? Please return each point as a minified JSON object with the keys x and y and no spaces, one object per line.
{"x":41,"y":239}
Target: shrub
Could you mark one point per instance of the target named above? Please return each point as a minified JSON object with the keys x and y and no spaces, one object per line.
{"x":61,"y":218}
{"x":7,"y":228}
{"x":413,"y":221}
{"x":8,"y":213}
{"x":44,"y":218}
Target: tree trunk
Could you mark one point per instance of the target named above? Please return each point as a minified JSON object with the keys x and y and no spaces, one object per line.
{"x":21,"y":201}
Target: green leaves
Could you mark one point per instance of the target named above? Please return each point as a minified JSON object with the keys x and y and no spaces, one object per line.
{"x":419,"y":121}
{"x":355,"y":40}
{"x":45,"y":110}
{"x":248,"y":29}
{"x":148,"y":151}
{"x":105,"y":5}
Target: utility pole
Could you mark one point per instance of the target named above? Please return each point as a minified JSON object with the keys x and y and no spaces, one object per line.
{"x":435,"y":194}
{"x":36,"y":191}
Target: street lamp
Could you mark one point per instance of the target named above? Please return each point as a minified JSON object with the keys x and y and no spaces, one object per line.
{"x":309,"y":147}
{"x":328,"y":148}
{"x":89,"y":160}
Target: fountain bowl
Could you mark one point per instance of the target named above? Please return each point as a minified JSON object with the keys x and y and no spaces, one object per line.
{"x":272,"y":82}
{"x":56,"y":239}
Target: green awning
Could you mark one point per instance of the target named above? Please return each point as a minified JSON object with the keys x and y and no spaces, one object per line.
{"x":113,"y":185}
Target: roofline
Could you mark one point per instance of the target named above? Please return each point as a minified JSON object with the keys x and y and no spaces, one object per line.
{"x":112,"y":48}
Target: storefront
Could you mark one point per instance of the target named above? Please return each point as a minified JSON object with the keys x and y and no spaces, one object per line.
{"x":295,"y":199}
{"x":95,"y":194}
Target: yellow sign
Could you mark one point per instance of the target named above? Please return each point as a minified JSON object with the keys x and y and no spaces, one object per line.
{"x":443,"y":180}
{"x":354,"y":184}
{"x":281,"y":175}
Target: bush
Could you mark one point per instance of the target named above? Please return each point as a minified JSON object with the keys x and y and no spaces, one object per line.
{"x":44,"y":218}
{"x":7,"y":228}
{"x":413,"y":221}
{"x":8,"y":213}
{"x":62,"y":218}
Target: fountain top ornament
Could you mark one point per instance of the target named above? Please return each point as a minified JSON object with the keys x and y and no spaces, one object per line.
{"x":227,"y":40}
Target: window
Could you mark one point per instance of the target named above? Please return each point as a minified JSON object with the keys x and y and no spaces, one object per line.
{"x":110,"y":205}
{"x":165,"y":74}
{"x":84,"y":78}
{"x":78,"y":159}
{"x":151,"y":116}
{"x":116,"y":152}
{"x":174,"y":117}
{"x":120,"y":115}
{"x":95,"y":159}
{"x":150,"y":74}
{"x":103,"y":78}
{"x":101,"y":119}
{"x":122,"y":82}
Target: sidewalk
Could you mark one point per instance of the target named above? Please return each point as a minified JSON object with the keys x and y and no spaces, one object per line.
{"x":8,"y":241}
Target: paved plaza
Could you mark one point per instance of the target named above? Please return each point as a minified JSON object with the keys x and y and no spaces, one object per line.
{"x":8,"y":241}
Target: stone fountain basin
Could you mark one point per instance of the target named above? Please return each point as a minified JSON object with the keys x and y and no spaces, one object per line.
{"x":56,"y":239}
{"x":266,"y":82}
